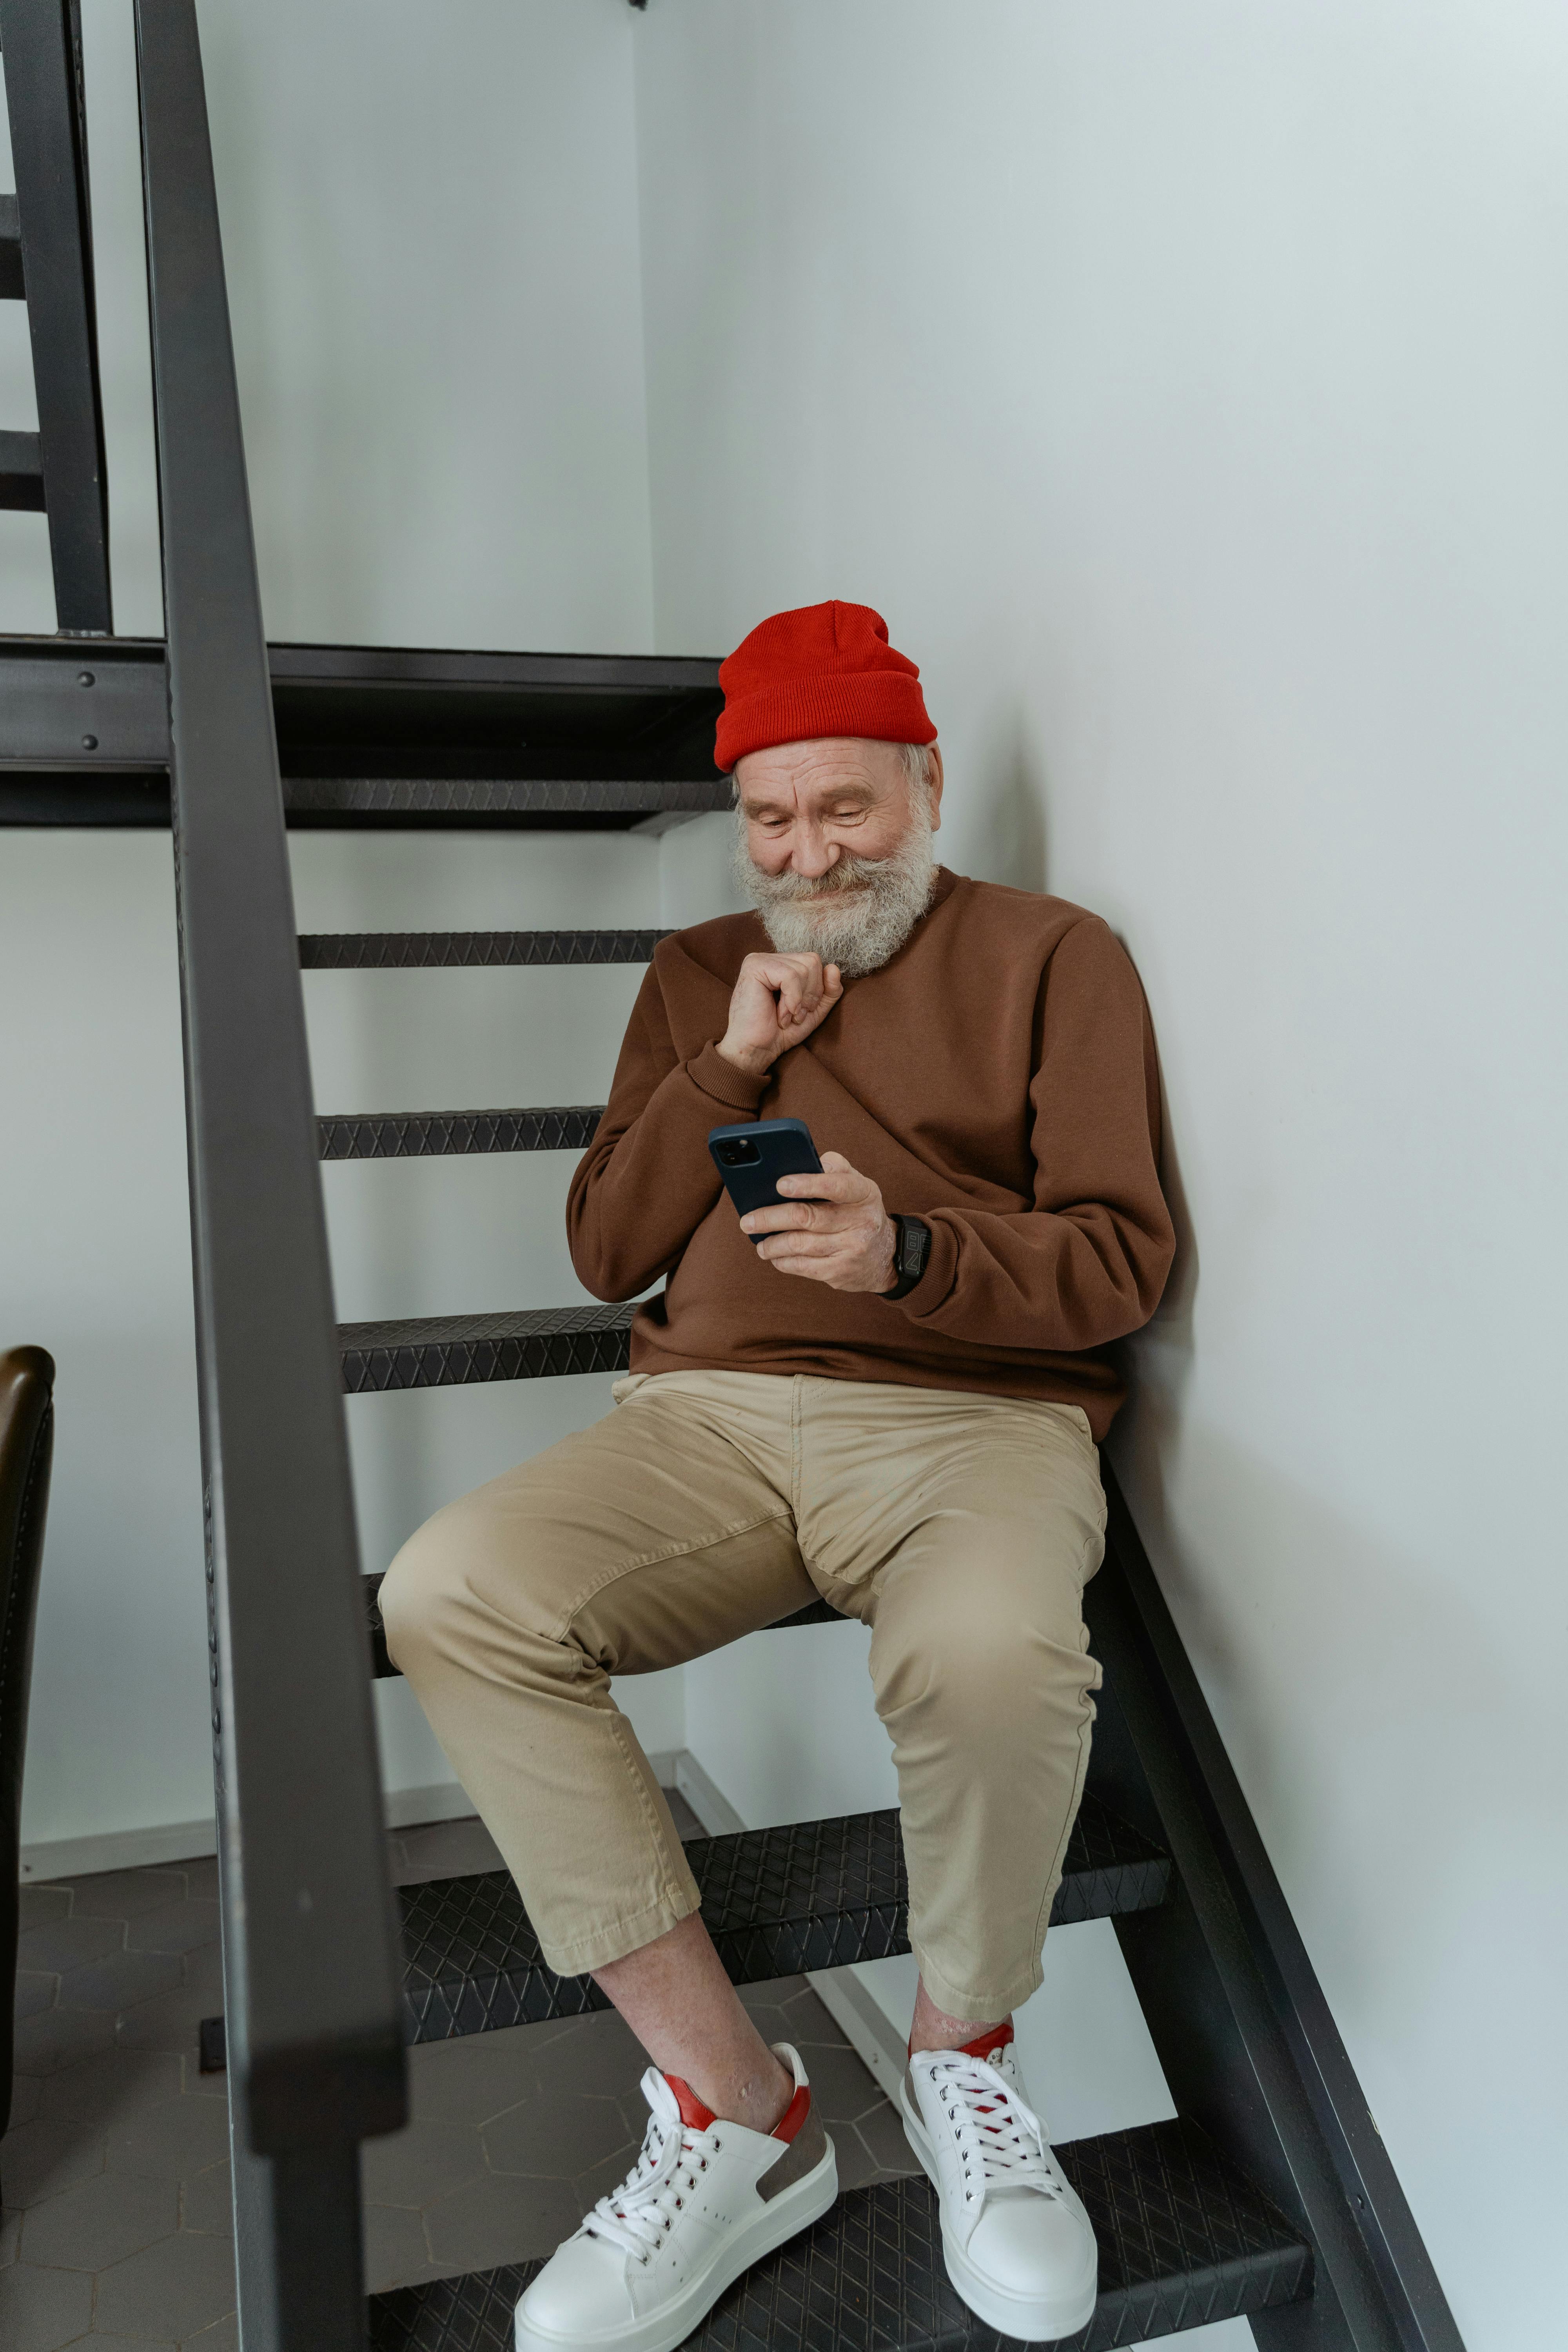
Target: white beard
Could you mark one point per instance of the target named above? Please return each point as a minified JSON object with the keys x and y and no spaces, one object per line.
{"x":859,"y":913}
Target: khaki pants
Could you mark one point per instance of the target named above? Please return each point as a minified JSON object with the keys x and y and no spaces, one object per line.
{"x":961,"y":1528}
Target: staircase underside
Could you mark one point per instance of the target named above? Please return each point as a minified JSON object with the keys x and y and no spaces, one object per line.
{"x":1185,"y":2237}
{"x":375,"y":737}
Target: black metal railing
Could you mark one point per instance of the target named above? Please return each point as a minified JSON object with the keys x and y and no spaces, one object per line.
{"x":311,"y":1967}
{"x":46,"y":259}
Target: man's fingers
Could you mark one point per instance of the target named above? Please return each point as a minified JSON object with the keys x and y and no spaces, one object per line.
{"x":796,"y":1217}
{"x":841,"y":1183}
{"x":818,"y":1268}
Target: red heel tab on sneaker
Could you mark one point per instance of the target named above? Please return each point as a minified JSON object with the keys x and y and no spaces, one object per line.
{"x":984,"y":2043}
{"x":693,"y":2114}
{"x":795,"y":2115}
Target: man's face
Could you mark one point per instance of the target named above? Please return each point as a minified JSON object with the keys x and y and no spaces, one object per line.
{"x":807,"y":806}
{"x":835,"y":846}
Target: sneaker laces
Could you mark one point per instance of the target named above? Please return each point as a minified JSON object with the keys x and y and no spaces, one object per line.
{"x":1001,"y":2140}
{"x":639,"y":2215}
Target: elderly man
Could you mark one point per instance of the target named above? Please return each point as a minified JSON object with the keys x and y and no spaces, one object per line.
{"x":887,"y":1392}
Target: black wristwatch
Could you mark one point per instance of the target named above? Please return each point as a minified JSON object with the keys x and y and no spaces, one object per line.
{"x":911,"y":1252}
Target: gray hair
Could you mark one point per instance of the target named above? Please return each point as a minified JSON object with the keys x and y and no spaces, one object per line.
{"x":918,"y":768}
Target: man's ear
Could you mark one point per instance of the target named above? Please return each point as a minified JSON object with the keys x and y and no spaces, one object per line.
{"x":933,"y":769}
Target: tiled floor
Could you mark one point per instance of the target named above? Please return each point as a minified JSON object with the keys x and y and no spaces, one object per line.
{"x":116,"y":2227}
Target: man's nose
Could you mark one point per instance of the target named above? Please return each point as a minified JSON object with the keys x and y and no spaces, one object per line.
{"x":811,"y":853}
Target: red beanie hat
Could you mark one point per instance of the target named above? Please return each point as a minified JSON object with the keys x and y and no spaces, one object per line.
{"x":827,"y":669}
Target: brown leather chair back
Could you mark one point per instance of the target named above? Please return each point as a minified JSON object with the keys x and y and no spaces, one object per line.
{"x":27,"y":1443}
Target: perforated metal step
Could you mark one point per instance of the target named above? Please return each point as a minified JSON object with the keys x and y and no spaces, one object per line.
{"x":570,"y":802}
{"x":410,"y":951}
{"x":437,"y":1352}
{"x":430,"y":1134}
{"x":811,"y":1895}
{"x":1184,"y":2238}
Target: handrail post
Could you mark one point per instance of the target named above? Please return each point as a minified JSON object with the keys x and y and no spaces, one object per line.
{"x":310,"y":1971}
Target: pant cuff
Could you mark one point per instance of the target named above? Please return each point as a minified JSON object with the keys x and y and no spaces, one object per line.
{"x":619,"y":1936}
{"x":987,"y":2003}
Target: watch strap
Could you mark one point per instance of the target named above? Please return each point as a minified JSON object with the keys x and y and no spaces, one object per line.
{"x":911,"y":1252}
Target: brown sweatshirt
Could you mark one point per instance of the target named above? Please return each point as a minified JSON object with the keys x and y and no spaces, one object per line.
{"x":996,"y":1077}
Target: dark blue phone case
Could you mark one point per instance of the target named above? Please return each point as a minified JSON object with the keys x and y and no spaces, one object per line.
{"x":752,"y":1158}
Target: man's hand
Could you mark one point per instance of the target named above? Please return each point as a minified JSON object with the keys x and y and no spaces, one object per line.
{"x":830,"y":1228}
{"x":778,"y":999}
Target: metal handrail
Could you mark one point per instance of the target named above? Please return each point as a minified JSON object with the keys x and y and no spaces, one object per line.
{"x":310,"y":1966}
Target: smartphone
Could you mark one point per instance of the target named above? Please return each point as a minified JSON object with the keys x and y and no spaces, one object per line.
{"x":751,"y":1159}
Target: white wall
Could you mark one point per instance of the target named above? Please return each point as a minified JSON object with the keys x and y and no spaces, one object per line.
{"x":430,"y":223}
{"x":1185,"y":382}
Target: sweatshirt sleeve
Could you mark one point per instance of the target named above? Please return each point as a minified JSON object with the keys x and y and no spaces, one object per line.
{"x":646,"y":1180}
{"x":1086,"y":1264}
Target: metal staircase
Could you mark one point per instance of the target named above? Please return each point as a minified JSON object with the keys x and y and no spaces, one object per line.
{"x":1271,"y":2194}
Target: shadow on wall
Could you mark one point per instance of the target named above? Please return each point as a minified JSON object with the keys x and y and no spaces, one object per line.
{"x":999,"y":812}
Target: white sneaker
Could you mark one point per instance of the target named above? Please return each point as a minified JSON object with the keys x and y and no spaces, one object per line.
{"x":704,"y":2201}
{"x":1020,"y":2248}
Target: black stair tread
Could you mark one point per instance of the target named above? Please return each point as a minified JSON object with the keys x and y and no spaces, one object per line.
{"x":11,"y":289}
{"x":811,"y":1895}
{"x":21,"y":472}
{"x":1184,"y":2238}
{"x":573,"y":802}
{"x":426,"y":1134}
{"x":532,"y":1343}
{"x":405,"y":951}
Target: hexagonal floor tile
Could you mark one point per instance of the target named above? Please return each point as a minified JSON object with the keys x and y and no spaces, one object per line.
{"x":63,"y":1944}
{"x":206,"y":2200}
{"x":420,"y":2163}
{"x":59,"y":2037}
{"x":124,"y":1894}
{"x":556,"y":2140}
{"x":120,"y":1980}
{"x":495,"y":2220}
{"x":395,"y":2248}
{"x":469,"y":2082}
{"x":42,"y":2159}
{"x":175,"y":2139}
{"x":101,"y":2088}
{"x":175,"y":1928}
{"x":40,"y":2310}
{"x":100,"y":2222}
{"x":169,"y":2290}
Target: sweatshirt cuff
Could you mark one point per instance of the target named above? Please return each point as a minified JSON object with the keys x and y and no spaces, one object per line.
{"x":725,"y":1084}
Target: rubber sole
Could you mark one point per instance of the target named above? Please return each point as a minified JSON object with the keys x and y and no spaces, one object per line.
{"x":793,"y":2210}
{"x":1034,"y":2319}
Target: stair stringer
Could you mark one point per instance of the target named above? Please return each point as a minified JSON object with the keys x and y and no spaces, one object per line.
{"x":1238,"y":2020}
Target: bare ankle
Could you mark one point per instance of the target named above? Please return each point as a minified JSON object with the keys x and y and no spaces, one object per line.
{"x":938,"y":2029}
{"x":757,"y":2101}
